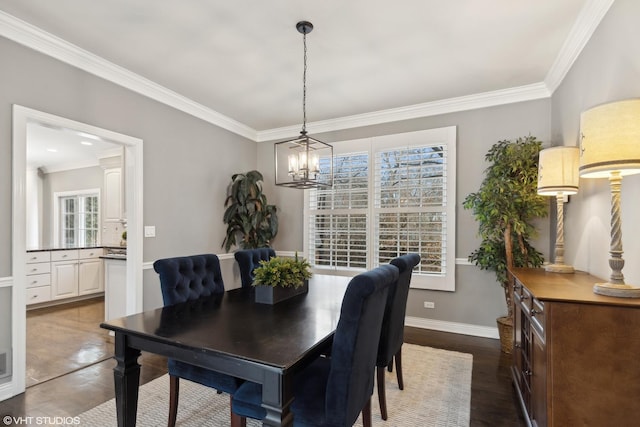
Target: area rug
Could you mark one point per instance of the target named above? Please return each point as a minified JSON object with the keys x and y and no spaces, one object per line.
{"x":437,"y":392}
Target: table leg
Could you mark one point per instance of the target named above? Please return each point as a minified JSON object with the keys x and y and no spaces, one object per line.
{"x":277,"y":395}
{"x":126,"y":376}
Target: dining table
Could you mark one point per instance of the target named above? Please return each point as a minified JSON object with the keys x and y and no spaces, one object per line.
{"x":232,"y":334}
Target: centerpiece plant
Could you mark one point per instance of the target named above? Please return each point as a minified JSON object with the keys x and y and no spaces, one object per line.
{"x":283,"y":272}
{"x":504,"y":207}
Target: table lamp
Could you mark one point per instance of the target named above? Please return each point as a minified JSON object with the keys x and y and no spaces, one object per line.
{"x":558,"y":176}
{"x":610,"y":148}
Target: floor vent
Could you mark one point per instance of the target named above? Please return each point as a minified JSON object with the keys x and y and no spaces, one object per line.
{"x":4,"y":364}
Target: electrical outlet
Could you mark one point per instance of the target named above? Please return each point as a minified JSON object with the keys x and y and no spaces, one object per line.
{"x":429,"y":304}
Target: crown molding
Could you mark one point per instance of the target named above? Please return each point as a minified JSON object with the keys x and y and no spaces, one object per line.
{"x":582,"y":30}
{"x":452,"y":105}
{"x":33,"y":37}
{"x":48,"y":44}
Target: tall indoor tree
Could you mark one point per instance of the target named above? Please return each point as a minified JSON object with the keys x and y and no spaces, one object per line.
{"x":505,"y":206}
{"x":251,"y":221}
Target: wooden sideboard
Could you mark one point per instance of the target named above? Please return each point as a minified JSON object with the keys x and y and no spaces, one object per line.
{"x":576,"y":356}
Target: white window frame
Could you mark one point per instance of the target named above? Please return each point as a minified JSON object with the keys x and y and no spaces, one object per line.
{"x":445,"y":136}
{"x":56,"y":211}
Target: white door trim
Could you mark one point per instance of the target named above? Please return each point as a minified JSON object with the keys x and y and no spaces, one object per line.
{"x":133,"y":170}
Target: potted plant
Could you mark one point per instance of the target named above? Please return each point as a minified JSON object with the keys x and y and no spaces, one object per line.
{"x":251,"y":221}
{"x":504,"y":207}
{"x":281,"y":278}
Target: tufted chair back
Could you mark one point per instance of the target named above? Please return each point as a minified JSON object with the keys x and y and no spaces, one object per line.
{"x":355,"y":344}
{"x":249,"y":259}
{"x":189,"y":277}
{"x":393,"y":325}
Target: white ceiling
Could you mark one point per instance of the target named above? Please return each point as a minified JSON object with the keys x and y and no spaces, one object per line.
{"x":241,"y":60}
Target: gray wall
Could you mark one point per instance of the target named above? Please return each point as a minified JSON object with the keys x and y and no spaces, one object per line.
{"x":608,"y":69}
{"x":478,"y":298}
{"x":71,"y":180}
{"x":187,"y":162}
{"x":186,"y":169}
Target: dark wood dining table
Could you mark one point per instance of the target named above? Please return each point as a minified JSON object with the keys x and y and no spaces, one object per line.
{"x":232,"y":334}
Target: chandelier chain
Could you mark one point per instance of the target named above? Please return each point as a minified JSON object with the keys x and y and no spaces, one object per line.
{"x":304,"y":85}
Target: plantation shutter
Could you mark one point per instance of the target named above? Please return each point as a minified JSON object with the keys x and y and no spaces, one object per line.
{"x":338,"y":216}
{"x":410,"y":206}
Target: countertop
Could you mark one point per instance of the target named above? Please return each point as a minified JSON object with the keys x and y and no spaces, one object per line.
{"x":114,"y":257}
{"x":76,"y":247}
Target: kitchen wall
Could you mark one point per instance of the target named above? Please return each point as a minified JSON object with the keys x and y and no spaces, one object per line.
{"x":69,"y":180}
{"x":607,"y":70}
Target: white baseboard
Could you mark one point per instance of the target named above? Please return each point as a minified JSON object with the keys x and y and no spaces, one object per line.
{"x":6,"y":391}
{"x":453,"y":327}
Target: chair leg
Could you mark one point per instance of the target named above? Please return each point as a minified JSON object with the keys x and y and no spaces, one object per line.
{"x":366,"y":413}
{"x":390,"y":366}
{"x":398,"y":358}
{"x":236,"y":420}
{"x":174,"y":391}
{"x":382,"y":398}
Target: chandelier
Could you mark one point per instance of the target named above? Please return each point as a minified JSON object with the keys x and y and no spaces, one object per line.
{"x":304,"y":162}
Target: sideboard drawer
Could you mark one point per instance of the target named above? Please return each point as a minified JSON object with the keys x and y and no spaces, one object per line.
{"x":39,"y":294}
{"x":525,"y":299}
{"x":537,"y":316}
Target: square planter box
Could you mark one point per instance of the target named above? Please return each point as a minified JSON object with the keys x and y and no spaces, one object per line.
{"x":275,"y":294}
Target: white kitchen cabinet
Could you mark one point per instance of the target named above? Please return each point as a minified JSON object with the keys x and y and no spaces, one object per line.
{"x":90,"y":276}
{"x":38,"y":283}
{"x":64,"y":274}
{"x":64,"y":279}
{"x":60,"y":274}
{"x":112,"y":202}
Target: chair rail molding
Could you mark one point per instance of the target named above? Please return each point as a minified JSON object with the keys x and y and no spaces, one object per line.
{"x":6,"y":282}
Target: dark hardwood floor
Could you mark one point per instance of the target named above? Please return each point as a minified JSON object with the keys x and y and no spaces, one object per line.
{"x":493,"y":401}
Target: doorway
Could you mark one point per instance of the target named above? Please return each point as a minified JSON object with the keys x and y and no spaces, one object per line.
{"x":133,"y":187}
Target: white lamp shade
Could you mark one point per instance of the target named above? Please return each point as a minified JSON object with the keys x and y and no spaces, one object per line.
{"x":558,"y":171}
{"x":610,"y":139}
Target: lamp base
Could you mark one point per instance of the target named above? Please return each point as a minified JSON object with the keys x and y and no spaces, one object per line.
{"x":616,"y":290}
{"x":559,"y":268}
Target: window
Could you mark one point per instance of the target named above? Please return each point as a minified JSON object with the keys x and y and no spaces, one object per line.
{"x":392,"y":195}
{"x":79,"y":219}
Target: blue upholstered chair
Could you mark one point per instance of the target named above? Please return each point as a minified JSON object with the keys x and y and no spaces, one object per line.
{"x":186,"y":279}
{"x":392,"y":336}
{"x":249,"y":259}
{"x":332,"y":391}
